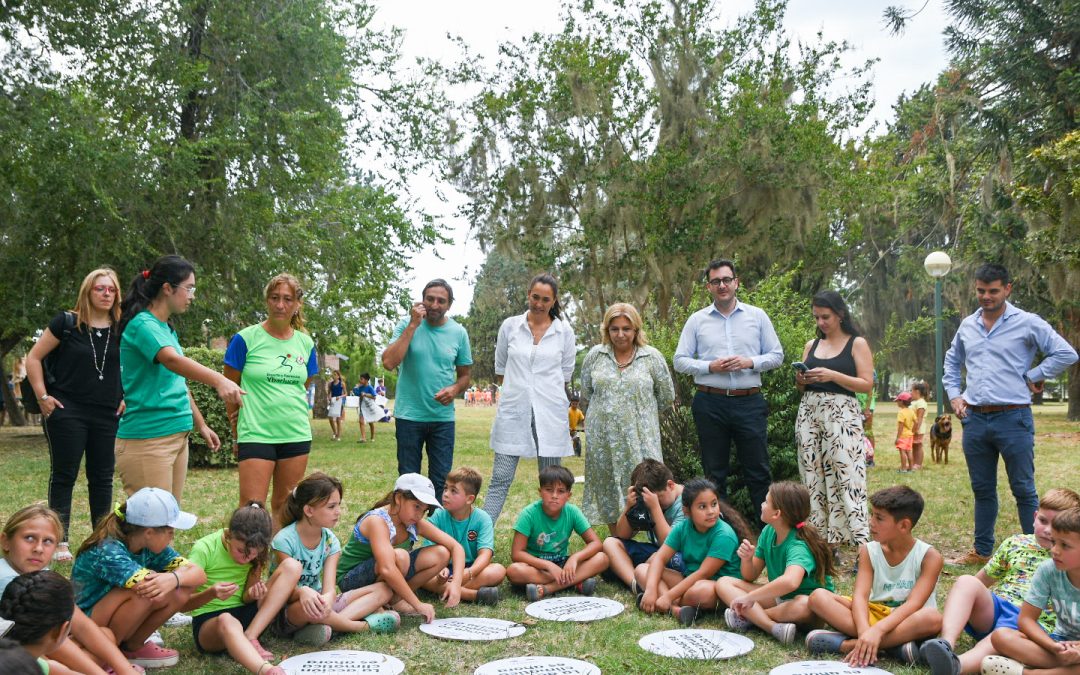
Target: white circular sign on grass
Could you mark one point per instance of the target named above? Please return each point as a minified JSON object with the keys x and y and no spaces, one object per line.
{"x":824,"y":668}
{"x":472,"y":628}
{"x":696,"y":644}
{"x":537,"y":665}
{"x":575,"y":608}
{"x":343,"y":662}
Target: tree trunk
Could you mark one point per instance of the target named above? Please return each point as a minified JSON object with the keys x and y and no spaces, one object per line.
{"x":14,"y":412}
{"x":319,"y":409}
{"x":1074,"y":391}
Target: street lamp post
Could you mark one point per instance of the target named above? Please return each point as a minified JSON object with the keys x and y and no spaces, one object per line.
{"x":937,"y":265}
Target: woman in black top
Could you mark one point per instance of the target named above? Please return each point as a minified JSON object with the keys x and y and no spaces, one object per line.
{"x":829,"y":425}
{"x":80,"y":395}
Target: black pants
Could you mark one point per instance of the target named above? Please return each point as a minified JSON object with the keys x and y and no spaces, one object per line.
{"x":721,"y":420}
{"x":71,"y":430}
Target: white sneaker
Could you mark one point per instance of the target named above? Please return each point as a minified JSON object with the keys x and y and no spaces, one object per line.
{"x":156,"y":638}
{"x":178,"y":619}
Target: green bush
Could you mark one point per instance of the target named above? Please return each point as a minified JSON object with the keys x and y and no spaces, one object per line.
{"x":791,"y":316}
{"x":213,"y":410}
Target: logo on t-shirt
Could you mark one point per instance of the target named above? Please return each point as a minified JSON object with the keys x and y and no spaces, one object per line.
{"x":472,"y":536}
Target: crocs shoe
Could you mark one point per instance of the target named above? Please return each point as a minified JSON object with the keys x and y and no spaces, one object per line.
{"x":824,"y":641}
{"x":1001,"y":665}
{"x":687,"y":615}
{"x":313,"y":635}
{"x":382,"y":622}
{"x":906,"y":653}
{"x":587,"y":587}
{"x":487,"y":595}
{"x":736,"y":622}
{"x":535,"y":592}
{"x":178,"y":619}
{"x":939,"y":655}
{"x":783,"y":632}
{"x":151,"y":655}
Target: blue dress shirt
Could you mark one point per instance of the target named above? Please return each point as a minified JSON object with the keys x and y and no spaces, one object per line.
{"x":998,"y":360}
{"x":709,"y":335}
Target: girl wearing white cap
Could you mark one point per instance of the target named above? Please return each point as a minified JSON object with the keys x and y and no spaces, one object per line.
{"x":128,"y":578}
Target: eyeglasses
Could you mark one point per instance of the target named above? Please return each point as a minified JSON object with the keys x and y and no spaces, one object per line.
{"x":615,"y":330}
{"x":190,"y":289}
{"x":721,"y":281}
{"x":101,"y":288}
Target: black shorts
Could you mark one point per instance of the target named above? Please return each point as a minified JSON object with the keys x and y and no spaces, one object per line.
{"x":245,"y":614}
{"x":272,"y":451}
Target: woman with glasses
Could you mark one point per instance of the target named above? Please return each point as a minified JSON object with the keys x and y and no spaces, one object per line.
{"x":74,"y":369}
{"x":624,"y":385}
{"x":534,"y":361}
{"x":152,"y":440}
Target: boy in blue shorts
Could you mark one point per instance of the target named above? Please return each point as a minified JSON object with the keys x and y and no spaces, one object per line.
{"x":660,"y":497}
{"x":542,"y":540}
{"x":978,"y":604}
{"x":1056,"y":582}
{"x":472,"y":528}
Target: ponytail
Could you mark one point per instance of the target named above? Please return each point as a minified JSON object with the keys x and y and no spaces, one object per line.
{"x":793,"y":501}
{"x":315,"y":489}
{"x":111,"y":526}
{"x":146,"y":286}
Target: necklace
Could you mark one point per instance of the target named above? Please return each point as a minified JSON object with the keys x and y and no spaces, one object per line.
{"x":104,"y":352}
{"x":624,"y":364}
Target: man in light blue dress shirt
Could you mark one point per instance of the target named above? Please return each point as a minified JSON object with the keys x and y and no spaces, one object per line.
{"x":726,"y":346}
{"x":996,"y":346}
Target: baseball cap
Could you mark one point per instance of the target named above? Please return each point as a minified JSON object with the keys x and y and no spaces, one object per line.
{"x":420,"y":486}
{"x":904,"y":396}
{"x":154,"y":507}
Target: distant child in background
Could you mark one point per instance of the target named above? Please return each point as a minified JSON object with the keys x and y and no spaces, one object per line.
{"x":653,"y":505}
{"x":14,"y":660}
{"x":577,"y":422}
{"x":905,"y":430}
{"x":894,"y":602}
{"x":1057,"y":582}
{"x":233,"y":608}
{"x":471,"y":527}
{"x":794,"y":556}
{"x":39,"y":606}
{"x":365,"y":391}
{"x":706,"y":542}
{"x":129,"y":579}
{"x":991,"y":599}
{"x":28,"y":540}
{"x":381,"y":551}
{"x":314,"y":609}
{"x":867,"y":403}
{"x":542,"y":541}
{"x":919,"y":392}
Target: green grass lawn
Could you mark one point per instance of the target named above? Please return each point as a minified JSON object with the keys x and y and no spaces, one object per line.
{"x":368,"y":472}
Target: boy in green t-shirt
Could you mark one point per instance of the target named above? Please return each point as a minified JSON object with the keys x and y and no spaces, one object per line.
{"x":542,"y":540}
{"x":472,"y":528}
{"x":654,"y":486}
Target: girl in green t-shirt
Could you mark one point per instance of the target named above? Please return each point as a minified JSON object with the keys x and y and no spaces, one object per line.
{"x":796,"y":558}
{"x":706,"y":540}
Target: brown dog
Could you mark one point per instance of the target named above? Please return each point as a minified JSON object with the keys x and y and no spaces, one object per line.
{"x":940,"y":437}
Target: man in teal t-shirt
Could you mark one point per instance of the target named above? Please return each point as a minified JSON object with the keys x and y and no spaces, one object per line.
{"x":434,"y":356}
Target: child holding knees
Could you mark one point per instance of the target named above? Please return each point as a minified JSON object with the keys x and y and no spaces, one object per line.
{"x":706,"y":542}
{"x":314,"y":610}
{"x":129,"y":579}
{"x":380,"y":552}
{"x":894,"y":602}
{"x":472,"y":528}
{"x":1030,"y":650}
{"x":542,"y":540}
{"x":39,"y":606}
{"x":653,"y":493}
{"x":28,"y":540}
{"x":796,"y":559}
{"x":990,"y":599}
{"x":232,"y":609}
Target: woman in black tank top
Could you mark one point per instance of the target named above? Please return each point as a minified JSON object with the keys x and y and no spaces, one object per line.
{"x":829,"y":424}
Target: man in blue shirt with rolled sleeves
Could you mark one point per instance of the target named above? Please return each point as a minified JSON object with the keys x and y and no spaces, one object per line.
{"x":726,"y":347}
{"x":996,"y":346}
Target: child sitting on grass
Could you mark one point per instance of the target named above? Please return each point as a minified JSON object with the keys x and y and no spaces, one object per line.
{"x":796,"y":559}
{"x":472,"y":528}
{"x":894,"y":601}
{"x":542,"y":540}
{"x":1031,"y":650}
{"x":991,"y":599}
{"x":654,"y":488}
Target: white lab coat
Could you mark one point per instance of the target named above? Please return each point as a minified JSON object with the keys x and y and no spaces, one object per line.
{"x":534,"y":378}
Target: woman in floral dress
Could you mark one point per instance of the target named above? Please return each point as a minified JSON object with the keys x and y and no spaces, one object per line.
{"x":624,"y":385}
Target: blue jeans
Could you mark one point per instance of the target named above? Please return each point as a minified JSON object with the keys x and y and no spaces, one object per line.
{"x":1010,"y":434}
{"x":439,"y":438}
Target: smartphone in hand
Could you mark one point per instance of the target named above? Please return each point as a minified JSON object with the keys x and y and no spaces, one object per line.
{"x":800,"y":366}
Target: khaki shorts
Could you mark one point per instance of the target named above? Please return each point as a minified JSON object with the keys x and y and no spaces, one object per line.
{"x":153,"y":462}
